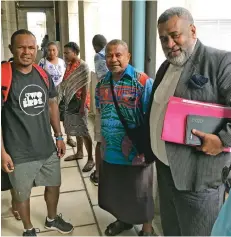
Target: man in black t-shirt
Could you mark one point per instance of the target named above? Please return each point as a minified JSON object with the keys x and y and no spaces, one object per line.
{"x":28,"y":152}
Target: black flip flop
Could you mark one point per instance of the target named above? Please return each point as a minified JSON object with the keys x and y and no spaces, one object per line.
{"x":89,"y":166}
{"x":117,"y":227}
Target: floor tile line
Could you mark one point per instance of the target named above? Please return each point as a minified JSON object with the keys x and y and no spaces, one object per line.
{"x":71,"y":191}
{"x":68,"y":167}
{"x":5,"y":217}
{"x":89,"y":199}
{"x":72,"y":166}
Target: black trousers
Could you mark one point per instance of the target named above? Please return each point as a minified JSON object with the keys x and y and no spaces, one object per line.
{"x":186,"y":213}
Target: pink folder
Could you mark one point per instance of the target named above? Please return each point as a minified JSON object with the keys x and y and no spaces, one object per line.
{"x":174,"y":126}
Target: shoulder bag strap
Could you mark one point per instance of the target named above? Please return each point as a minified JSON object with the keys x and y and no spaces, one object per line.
{"x":123,"y":121}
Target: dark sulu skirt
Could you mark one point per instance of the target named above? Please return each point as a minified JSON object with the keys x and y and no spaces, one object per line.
{"x":127,"y":192}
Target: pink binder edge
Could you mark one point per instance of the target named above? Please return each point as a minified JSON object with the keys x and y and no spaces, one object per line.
{"x":178,"y":99}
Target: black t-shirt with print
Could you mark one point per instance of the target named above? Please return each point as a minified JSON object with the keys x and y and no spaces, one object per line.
{"x":26,"y":126}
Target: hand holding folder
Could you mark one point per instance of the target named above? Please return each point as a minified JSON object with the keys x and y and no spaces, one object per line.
{"x":179,"y":110}
{"x":210,"y":143}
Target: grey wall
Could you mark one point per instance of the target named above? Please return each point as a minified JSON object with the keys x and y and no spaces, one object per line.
{"x":9,"y":25}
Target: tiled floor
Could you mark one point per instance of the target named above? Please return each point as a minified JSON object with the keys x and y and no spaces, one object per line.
{"x":78,"y":204}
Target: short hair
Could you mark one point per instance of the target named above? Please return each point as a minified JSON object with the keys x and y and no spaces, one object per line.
{"x":176,"y":11}
{"x":73,"y":46}
{"x":20,"y":32}
{"x":117,"y":42}
{"x":52,"y":43}
{"x":99,"y":40}
{"x":4,"y":61}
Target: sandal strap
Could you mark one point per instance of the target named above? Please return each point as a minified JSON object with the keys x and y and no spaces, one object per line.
{"x":152,"y":233}
{"x":89,"y":165}
{"x":93,"y":176}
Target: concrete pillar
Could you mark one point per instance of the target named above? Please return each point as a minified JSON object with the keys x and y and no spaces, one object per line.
{"x":22,"y":18}
{"x":9,"y":25}
{"x":127,"y":23}
{"x":89,"y":22}
{"x":151,"y":36}
{"x":150,"y":69}
{"x":5,"y":30}
{"x":50,"y":23}
{"x":81,"y":29}
{"x":2,"y":47}
{"x":63,"y":24}
{"x":56,"y":10}
{"x":138,"y":33}
{"x":73,"y":21}
{"x":12,"y":16}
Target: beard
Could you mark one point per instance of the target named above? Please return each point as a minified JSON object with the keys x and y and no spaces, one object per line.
{"x":181,"y":59}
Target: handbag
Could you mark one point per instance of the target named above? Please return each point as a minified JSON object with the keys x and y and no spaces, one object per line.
{"x":137,"y":134}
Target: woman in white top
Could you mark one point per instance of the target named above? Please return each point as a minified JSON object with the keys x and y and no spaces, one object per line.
{"x":56,"y":68}
{"x":52,"y":64}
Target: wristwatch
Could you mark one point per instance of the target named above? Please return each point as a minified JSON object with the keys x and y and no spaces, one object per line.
{"x":58,"y":136}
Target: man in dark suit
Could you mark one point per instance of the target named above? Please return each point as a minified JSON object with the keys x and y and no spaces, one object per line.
{"x":189,"y":179}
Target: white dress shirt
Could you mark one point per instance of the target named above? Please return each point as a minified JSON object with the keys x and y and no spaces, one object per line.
{"x":166,"y":89}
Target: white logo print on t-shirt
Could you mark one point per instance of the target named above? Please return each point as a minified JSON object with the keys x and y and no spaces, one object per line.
{"x":32,"y":100}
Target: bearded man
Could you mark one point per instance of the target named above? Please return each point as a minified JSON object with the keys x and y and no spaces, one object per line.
{"x":189,"y":179}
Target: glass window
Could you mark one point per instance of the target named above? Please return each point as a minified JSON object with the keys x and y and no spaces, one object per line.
{"x":36,"y":23}
{"x":212,"y":20}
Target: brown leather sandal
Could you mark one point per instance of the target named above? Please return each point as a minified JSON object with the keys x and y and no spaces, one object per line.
{"x":152,"y":233}
{"x":89,"y":166}
{"x":77,"y":156}
{"x":71,"y":142}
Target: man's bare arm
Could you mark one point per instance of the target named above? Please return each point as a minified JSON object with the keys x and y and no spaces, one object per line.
{"x":55,"y":123}
{"x":3,"y":151}
{"x":7,"y":163}
{"x":54,"y":116}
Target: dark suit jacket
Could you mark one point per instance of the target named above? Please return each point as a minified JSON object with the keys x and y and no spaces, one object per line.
{"x":193,"y":170}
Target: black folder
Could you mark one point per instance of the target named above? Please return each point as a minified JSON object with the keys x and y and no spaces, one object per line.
{"x":202,"y":123}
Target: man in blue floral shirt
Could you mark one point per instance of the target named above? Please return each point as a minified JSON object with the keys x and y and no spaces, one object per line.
{"x":125,"y":182}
